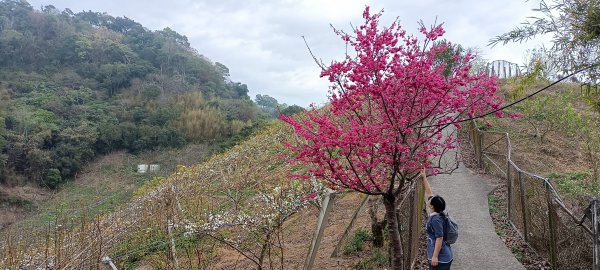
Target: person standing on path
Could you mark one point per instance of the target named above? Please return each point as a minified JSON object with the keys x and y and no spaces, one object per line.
{"x":439,"y":253}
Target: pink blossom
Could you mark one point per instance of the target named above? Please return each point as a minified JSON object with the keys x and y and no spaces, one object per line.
{"x":514,"y":115}
{"x":309,"y":197}
{"x":388,"y":104}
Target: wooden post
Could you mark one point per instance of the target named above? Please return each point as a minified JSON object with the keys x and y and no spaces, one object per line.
{"x":552,"y":226}
{"x":323,"y":216}
{"x":480,"y":137}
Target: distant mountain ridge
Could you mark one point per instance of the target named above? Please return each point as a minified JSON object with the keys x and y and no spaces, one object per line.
{"x":77,"y":85}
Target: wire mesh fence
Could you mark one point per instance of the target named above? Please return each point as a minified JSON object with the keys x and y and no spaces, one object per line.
{"x":411,"y":215}
{"x":535,"y":208}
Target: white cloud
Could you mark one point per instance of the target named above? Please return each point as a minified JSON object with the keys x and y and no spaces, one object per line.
{"x":260,"y":40}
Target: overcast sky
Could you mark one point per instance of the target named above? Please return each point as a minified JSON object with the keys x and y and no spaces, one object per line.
{"x":260,"y":41}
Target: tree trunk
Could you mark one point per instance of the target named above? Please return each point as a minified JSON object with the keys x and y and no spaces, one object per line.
{"x":263,"y":251}
{"x":394,"y":233}
{"x":376,"y":225}
{"x":377,"y":230}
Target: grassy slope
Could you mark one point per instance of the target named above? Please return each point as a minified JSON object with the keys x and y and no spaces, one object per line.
{"x":560,"y":155}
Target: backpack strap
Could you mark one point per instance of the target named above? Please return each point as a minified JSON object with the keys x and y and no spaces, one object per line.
{"x":445,"y":226}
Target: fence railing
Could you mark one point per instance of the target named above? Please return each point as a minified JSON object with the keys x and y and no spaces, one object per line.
{"x":535,"y":208}
{"x":503,"y":69}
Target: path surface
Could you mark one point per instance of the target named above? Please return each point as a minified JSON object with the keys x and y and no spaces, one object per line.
{"x":478,"y":246}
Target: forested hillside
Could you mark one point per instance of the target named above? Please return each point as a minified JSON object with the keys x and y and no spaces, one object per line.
{"x":77,"y":85}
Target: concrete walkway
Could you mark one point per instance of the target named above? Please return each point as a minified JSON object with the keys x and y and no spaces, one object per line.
{"x":478,"y":246}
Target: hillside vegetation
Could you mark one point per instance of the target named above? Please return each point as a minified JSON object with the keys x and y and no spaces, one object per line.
{"x":74,"y":86}
{"x":557,"y":136}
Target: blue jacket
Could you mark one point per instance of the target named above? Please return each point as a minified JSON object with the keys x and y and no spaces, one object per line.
{"x":435,"y":229}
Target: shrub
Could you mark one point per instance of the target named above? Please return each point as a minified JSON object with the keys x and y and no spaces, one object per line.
{"x":53,"y":178}
{"x":357,"y":242}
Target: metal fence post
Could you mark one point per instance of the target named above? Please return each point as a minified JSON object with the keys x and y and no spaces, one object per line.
{"x":508,"y":180}
{"x":509,"y":191}
{"x":410,"y":228}
{"x":323,"y":216}
{"x":552,"y":226}
{"x":523,"y":206}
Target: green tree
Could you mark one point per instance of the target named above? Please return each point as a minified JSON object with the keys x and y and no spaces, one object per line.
{"x":53,"y":178}
{"x":268,"y":104}
{"x":222,"y":68}
{"x":450,"y":57}
{"x":291,"y":110}
{"x":75,"y":147}
{"x":113,"y":77}
{"x":266,"y":101}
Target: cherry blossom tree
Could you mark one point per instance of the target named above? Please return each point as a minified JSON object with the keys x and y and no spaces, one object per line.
{"x":389,"y":102}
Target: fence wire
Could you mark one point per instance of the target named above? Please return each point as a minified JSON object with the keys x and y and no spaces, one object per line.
{"x":536,"y":209}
